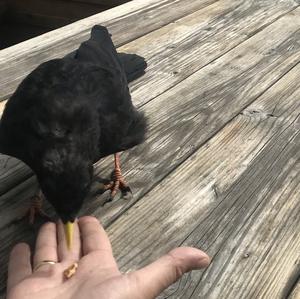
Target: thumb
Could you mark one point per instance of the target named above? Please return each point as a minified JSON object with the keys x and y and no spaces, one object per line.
{"x":151,"y":280}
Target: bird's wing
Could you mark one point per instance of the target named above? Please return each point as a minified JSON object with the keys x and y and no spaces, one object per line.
{"x":99,"y":50}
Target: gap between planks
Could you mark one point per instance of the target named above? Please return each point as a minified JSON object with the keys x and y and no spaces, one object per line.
{"x":286,"y":58}
{"x":164,"y":142}
{"x":253,"y":162}
{"x":210,"y":123}
{"x":209,"y":47}
{"x":137,"y":17}
{"x":207,"y":21}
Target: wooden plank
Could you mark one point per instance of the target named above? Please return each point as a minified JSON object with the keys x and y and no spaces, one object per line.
{"x":295,"y":294}
{"x":137,"y":18}
{"x":181,"y":38}
{"x":12,"y":168}
{"x":185,"y":46}
{"x":237,"y":198}
{"x":228,"y":85}
{"x":206,"y":114}
{"x":219,"y":17}
{"x":233,"y":76}
{"x":290,"y":59}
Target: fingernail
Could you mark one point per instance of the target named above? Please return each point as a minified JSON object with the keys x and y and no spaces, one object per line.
{"x":205,"y":261}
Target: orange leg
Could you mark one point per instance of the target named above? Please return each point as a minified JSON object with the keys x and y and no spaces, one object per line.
{"x":118,"y":182}
{"x":36,"y":208}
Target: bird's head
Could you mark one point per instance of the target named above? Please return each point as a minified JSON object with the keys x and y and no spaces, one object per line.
{"x":65,"y":180}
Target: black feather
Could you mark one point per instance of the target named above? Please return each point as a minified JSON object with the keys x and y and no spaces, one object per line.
{"x":70,"y":112}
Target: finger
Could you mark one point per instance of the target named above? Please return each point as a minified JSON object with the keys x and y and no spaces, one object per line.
{"x":46,"y":245}
{"x":156,"y":277}
{"x":95,"y":240}
{"x":19,"y":266}
{"x":64,"y":253}
{"x":93,"y":235}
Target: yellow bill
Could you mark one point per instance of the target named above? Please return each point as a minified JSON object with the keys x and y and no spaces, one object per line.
{"x":69,"y":227}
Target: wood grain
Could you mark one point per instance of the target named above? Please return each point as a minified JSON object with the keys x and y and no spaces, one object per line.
{"x":235,"y":20}
{"x":237,"y":198}
{"x":178,"y":128}
{"x":188,"y":44}
{"x":229,"y":187}
{"x":212,"y":96}
{"x":126,"y":22}
{"x":295,"y":294}
{"x":227,"y":86}
{"x":190,"y":53}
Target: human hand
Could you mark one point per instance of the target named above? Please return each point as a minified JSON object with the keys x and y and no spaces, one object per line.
{"x":97,"y":275}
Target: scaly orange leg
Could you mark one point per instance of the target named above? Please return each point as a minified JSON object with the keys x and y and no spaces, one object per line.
{"x":118,"y":182}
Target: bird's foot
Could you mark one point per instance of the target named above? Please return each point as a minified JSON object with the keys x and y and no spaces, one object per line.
{"x":117,"y":183}
{"x":36,"y":209}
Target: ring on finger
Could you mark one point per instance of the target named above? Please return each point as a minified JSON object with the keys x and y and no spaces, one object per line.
{"x":42,"y":263}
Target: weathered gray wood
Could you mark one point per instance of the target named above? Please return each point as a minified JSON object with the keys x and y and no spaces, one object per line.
{"x":187,"y":115}
{"x":126,"y":22}
{"x":211,"y":96}
{"x":188,"y":44}
{"x":295,"y":294}
{"x":237,"y":198}
{"x":193,"y":52}
{"x":228,"y":85}
{"x":12,"y":168}
{"x":191,"y":42}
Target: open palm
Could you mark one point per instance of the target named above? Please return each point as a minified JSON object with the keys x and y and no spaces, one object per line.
{"x":97,"y":275}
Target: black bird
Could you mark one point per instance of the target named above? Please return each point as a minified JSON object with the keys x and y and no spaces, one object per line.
{"x":70,"y":112}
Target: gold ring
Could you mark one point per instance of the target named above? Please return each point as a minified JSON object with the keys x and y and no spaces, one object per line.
{"x":42,"y":263}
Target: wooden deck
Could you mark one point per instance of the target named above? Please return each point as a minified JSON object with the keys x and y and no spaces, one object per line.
{"x":220,"y":169}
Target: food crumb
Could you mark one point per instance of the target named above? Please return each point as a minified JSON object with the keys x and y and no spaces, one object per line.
{"x":69,"y":272}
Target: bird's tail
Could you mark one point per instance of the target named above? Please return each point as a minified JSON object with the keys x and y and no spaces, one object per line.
{"x":134,"y":65}
{"x":100,"y":50}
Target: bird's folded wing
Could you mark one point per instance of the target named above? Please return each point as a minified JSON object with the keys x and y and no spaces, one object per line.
{"x":100,"y":50}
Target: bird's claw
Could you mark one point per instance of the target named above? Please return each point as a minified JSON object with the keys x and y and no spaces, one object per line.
{"x":117,"y":182}
{"x":36,"y":209}
{"x":116,"y":185}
